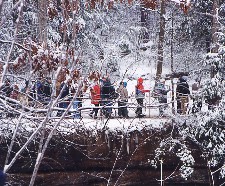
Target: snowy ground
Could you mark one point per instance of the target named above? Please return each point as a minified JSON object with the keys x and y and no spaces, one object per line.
{"x":70,"y":126}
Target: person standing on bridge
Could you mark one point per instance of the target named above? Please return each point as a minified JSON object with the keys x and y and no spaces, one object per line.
{"x":107,"y":96}
{"x":95,"y":98}
{"x":161,"y":92}
{"x":123,"y":99}
{"x":183,"y":93}
{"x":140,"y":95}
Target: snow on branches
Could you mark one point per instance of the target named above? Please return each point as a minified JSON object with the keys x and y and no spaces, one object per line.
{"x":180,"y":149}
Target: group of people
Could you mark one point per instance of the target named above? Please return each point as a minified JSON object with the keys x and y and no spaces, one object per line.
{"x":10,"y":91}
{"x":160,"y":92}
{"x":103,"y":95}
{"x":183,"y":94}
{"x":39,"y":90}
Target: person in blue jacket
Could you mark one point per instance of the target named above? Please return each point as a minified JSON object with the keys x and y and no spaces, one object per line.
{"x":2,"y":178}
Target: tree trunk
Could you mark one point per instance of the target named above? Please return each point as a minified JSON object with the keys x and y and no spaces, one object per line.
{"x":215,"y":46}
{"x":1,"y":4}
{"x":1,"y":66}
{"x":144,"y":34}
{"x":143,"y":15}
{"x":42,"y":30}
{"x":172,"y":65}
{"x":161,"y":40}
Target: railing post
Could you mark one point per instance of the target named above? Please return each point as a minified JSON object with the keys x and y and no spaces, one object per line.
{"x":149,"y":100}
{"x":161,"y":178}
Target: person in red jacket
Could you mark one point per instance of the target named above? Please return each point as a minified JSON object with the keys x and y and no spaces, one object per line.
{"x":140,"y":95}
{"x":95,"y":98}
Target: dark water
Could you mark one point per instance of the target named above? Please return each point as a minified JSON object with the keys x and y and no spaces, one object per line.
{"x":93,"y":179}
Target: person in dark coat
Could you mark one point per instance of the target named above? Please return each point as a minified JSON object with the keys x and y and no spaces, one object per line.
{"x":47,"y":90}
{"x":182,"y":93}
{"x":64,"y":91}
{"x":107,"y":92}
{"x":6,"y":88}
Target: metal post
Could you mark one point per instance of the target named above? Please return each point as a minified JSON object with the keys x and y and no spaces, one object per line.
{"x":149,"y":100}
{"x":161,"y":179}
{"x":173,"y":96}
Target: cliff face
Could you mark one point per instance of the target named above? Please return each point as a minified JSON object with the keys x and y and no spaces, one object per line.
{"x":87,"y":159}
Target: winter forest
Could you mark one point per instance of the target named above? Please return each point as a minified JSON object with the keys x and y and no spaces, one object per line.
{"x":112,"y":92}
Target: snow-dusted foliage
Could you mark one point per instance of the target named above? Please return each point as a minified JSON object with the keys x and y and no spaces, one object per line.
{"x":213,"y":88}
{"x":6,"y":31}
{"x":179,"y":149}
{"x":187,"y":159}
{"x":206,"y":131}
{"x":206,"y":128}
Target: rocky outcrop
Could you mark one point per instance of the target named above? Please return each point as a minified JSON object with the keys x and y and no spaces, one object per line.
{"x":84,"y":158}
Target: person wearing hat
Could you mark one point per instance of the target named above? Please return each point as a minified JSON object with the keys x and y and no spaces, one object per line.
{"x":140,"y":95}
{"x":182,"y":93}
